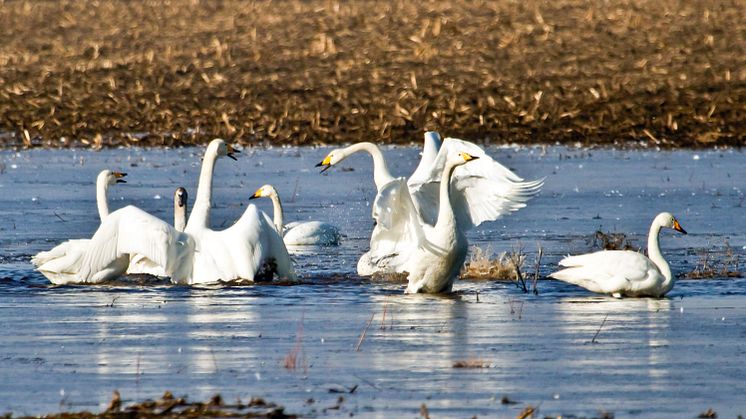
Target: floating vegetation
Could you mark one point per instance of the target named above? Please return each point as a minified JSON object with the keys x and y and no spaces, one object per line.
{"x":315,"y":72}
{"x":716,"y":264}
{"x":611,"y":241}
{"x":169,"y":406}
{"x":471,"y":363}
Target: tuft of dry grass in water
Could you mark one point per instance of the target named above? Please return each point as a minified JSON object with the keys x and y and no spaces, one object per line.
{"x":296,"y":357}
{"x":483,"y":264}
{"x":724,"y":264}
{"x":708,"y":414}
{"x":611,"y":241}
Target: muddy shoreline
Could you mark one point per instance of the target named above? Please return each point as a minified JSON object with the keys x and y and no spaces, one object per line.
{"x":107,"y":74}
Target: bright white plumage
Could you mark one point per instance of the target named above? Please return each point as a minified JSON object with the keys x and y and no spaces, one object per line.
{"x":305,"y":233}
{"x":482,"y":191}
{"x":434,"y":263}
{"x":250,"y":249}
{"x":623,"y":272}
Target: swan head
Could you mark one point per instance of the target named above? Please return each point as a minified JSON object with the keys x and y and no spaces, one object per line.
{"x":180,"y":197}
{"x":666,"y":219}
{"x":463,"y":158}
{"x":264,"y":192}
{"x":334,"y":157}
{"x":221,"y":148}
{"x":110,"y":178}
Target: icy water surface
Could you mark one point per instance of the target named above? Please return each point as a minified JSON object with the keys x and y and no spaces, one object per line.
{"x":566,"y":351}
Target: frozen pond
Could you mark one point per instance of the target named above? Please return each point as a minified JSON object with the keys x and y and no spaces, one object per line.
{"x":70,"y":347}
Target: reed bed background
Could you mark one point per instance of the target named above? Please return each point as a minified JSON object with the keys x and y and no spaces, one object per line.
{"x":659,"y":73}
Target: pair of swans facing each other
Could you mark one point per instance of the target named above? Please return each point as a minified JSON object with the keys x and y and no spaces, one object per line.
{"x":408,"y":212}
{"x":248,"y":250}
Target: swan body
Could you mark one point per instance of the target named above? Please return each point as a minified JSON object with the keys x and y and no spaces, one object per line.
{"x":45,"y":261}
{"x":139,"y":264}
{"x":624,"y":273}
{"x":440,"y":253}
{"x":307,"y":233}
{"x":250,"y":249}
{"x":124,"y":233}
{"x":200,"y":218}
{"x":311,"y":233}
{"x":482,"y":191}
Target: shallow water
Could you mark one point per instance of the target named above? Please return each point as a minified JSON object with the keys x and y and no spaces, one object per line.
{"x":70,"y":347}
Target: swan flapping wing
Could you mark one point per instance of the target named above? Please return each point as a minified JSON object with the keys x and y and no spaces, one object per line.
{"x":483,"y":190}
{"x":429,"y":153}
{"x":398,"y":227}
{"x":131,"y":231}
{"x":240,"y":251}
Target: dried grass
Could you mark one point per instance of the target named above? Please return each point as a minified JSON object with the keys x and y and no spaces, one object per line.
{"x":611,"y":241}
{"x":169,"y":407}
{"x":484,"y":264}
{"x":660,"y":73}
{"x":471,"y":363}
{"x":716,"y":264}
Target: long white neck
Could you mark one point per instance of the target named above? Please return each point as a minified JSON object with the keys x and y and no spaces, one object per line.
{"x":102,"y":202}
{"x":200,"y":217}
{"x":381,"y":174}
{"x":277,"y":206}
{"x":446,"y":218}
{"x":654,"y":253}
{"x":180,"y":214}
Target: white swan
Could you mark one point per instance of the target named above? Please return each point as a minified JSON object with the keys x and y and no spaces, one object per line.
{"x":483,"y":191}
{"x":139,"y":264}
{"x":623,"y":272}
{"x":306,"y":233}
{"x":104,"y":179}
{"x":440,"y":253}
{"x":200,"y":216}
{"x":249,"y":250}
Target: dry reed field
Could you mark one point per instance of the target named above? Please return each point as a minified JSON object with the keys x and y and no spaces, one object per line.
{"x":657,"y":73}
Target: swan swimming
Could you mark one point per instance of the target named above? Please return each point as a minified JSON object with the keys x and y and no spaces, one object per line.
{"x":441,"y":249}
{"x":250,"y":249}
{"x":48,"y":262}
{"x":215,"y":149}
{"x":624,"y":273}
{"x":305,"y":233}
{"x":483,"y":191}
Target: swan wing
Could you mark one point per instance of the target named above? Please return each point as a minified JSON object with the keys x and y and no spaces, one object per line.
{"x":131,"y":231}
{"x":398,"y":227}
{"x":483,"y":190}
{"x":429,"y":152}
{"x":606,"y":272}
{"x":240,"y":251}
{"x":59,"y":251}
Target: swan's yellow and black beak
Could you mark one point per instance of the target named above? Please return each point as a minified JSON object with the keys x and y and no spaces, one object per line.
{"x":326,"y":163}
{"x":468,"y":157}
{"x":232,"y":151}
{"x":257,"y":194}
{"x":677,"y":227}
{"x":119,"y":176}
